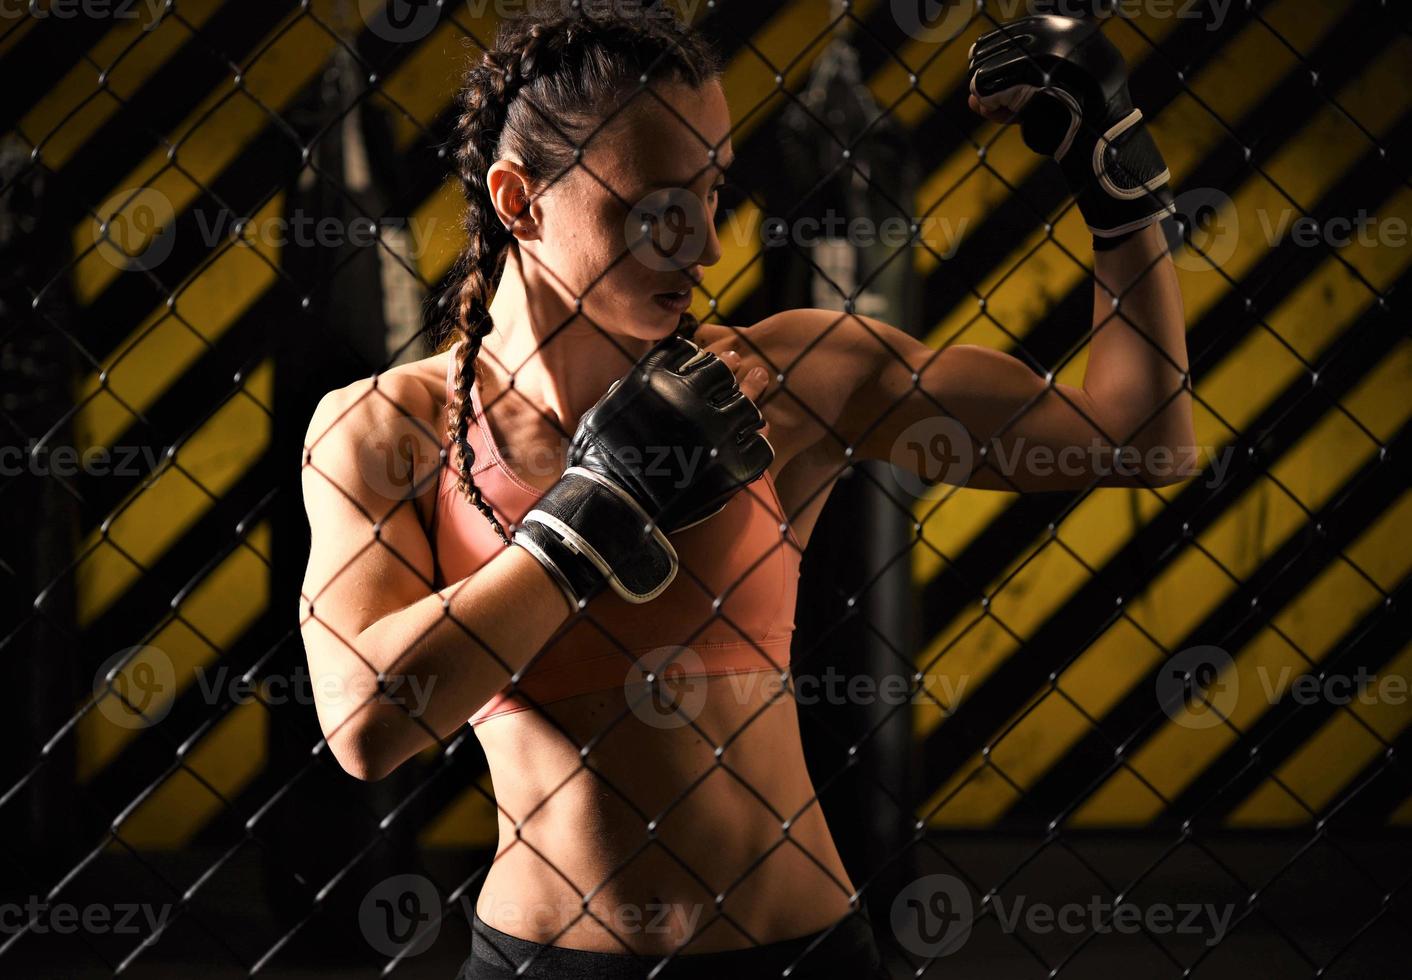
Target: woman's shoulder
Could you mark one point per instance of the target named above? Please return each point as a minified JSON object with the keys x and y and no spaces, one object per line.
{"x":412,"y":394}
{"x":816,"y":357}
{"x":784,"y":333}
{"x":813,"y":345}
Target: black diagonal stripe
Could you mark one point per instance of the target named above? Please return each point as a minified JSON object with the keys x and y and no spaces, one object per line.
{"x":267,"y":163}
{"x":1278,"y":430}
{"x":196,"y":70}
{"x":1367,"y":647}
{"x":171,"y":416}
{"x":1091,"y":610}
{"x":146,"y":757}
{"x":147,"y":600}
{"x":1382,"y":787}
{"x":42,"y":57}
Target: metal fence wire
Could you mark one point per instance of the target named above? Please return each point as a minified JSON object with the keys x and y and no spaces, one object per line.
{"x":1160,"y":729}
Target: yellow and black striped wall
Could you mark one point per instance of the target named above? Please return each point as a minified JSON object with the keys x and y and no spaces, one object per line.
{"x":1046,"y":621}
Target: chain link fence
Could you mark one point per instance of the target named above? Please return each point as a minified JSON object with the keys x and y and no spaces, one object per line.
{"x":1159,"y":729}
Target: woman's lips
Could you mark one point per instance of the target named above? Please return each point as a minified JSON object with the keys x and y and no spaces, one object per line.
{"x":674,"y":302}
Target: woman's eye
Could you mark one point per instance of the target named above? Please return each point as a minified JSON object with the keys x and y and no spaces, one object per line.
{"x":727,"y":194}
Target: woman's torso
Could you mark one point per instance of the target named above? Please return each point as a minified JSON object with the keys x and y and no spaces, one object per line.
{"x":651,"y":822}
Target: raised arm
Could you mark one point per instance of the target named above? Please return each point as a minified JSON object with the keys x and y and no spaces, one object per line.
{"x":980,"y":417}
{"x":1038,"y":434}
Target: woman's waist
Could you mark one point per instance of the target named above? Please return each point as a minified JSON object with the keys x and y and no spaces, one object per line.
{"x":660,"y":900}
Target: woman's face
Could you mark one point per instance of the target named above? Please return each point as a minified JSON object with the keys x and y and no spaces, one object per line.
{"x":630,"y":229}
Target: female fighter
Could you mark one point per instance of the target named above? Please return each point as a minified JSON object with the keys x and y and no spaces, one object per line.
{"x":595,"y":556}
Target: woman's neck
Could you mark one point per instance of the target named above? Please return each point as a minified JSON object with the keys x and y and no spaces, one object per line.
{"x":561,"y":367}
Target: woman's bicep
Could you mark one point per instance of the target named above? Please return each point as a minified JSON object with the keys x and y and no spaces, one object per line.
{"x":368,"y":553}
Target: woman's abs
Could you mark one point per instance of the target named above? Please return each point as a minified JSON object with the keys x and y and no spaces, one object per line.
{"x":651,"y":841}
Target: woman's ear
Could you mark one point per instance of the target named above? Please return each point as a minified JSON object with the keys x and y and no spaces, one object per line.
{"x":515,"y":204}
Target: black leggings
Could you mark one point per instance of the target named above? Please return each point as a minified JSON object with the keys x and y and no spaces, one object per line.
{"x":846,"y":950}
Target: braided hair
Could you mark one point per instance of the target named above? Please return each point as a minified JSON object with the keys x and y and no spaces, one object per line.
{"x":537,"y":94}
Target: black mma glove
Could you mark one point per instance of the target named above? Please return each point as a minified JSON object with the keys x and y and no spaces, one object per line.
{"x":666,"y":447}
{"x":1068,"y":86}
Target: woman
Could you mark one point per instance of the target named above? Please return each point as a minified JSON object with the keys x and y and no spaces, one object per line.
{"x":643,"y":821}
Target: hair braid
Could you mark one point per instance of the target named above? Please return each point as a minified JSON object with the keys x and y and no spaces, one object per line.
{"x":577,"y":65}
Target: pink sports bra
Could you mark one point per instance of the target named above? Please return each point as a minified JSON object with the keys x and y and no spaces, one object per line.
{"x":747,"y":555}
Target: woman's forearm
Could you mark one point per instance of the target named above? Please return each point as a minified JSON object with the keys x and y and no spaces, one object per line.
{"x":439,"y":661}
{"x":1137,"y":359}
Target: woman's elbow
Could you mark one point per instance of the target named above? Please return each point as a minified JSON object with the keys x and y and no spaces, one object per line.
{"x":359,"y":744}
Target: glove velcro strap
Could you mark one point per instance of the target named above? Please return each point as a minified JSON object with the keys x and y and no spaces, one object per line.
{"x":1127,"y":162}
{"x":591,"y":531}
{"x":1129,"y":189}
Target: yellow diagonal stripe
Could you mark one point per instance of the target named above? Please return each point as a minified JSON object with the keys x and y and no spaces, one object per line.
{"x":157,"y":514}
{"x":228,"y":758}
{"x":1241,"y":539}
{"x":215,"y":615}
{"x":71,"y":112}
{"x":1105,"y":520}
{"x":1334,"y":755}
{"x":12,"y":34}
{"x":206,"y":144}
{"x":171,"y":339}
{"x":740,"y":270}
{"x":1317,"y":619}
{"x":423,"y":86}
